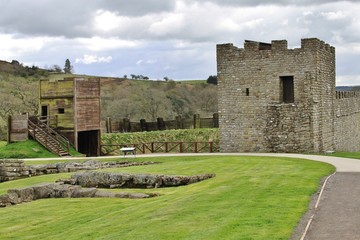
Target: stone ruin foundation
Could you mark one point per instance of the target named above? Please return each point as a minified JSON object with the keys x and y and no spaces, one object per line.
{"x":16,"y":169}
{"x":85,"y":184}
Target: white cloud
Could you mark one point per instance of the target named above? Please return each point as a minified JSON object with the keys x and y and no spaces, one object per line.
{"x":102,"y":44}
{"x":335,"y":15}
{"x":106,"y":20}
{"x":89,"y":59}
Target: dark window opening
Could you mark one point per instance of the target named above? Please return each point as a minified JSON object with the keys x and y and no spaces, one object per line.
{"x":247,"y":92}
{"x":61,"y":110}
{"x":287,"y":89}
{"x":44,"y":111}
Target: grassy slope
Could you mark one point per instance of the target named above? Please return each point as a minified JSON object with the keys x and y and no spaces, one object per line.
{"x":250,"y":198}
{"x":28,"y":149}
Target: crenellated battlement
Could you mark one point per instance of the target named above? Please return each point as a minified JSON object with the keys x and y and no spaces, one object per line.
{"x":347,"y":94}
{"x":275,"y":99}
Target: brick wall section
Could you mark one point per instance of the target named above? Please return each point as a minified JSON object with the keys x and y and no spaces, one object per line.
{"x":252,"y":114}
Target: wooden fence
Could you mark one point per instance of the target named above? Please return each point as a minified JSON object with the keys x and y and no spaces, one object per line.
{"x":111,"y":126}
{"x":162,"y":147}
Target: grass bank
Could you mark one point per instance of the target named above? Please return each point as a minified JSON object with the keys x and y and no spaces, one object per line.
{"x":27,"y":149}
{"x":250,"y":198}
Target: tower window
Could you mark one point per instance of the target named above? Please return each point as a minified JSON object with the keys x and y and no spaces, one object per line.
{"x":61,"y":110}
{"x":247,"y":92}
{"x":287,"y":87}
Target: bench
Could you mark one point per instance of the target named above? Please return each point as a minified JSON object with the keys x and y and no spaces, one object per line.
{"x":126,"y":150}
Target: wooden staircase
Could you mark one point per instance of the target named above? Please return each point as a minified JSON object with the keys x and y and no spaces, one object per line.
{"x":48,"y":137}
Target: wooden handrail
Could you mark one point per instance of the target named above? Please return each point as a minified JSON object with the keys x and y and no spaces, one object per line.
{"x":49,"y":133}
{"x":154,"y":147}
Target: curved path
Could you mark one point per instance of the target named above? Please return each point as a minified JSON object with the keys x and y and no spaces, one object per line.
{"x":336,"y":214}
{"x":341,"y":164}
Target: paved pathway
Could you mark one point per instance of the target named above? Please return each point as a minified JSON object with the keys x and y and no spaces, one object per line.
{"x":337,"y":214}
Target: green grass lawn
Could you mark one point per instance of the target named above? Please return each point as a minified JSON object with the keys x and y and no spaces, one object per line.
{"x":28,"y":149}
{"x":355,"y":155}
{"x":250,"y":198}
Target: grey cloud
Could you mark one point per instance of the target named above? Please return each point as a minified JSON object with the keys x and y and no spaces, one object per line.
{"x":274,"y":2}
{"x":49,"y":18}
{"x":136,"y":7}
{"x":68,"y":18}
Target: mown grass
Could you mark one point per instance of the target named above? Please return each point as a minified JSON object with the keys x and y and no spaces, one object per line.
{"x":250,"y":198}
{"x":355,"y":155}
{"x":28,"y":149}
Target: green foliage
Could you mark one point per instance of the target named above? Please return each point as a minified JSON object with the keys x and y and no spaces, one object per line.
{"x":250,"y":198}
{"x":17,"y":95}
{"x":180,"y":135}
{"x":136,"y":99}
{"x":212,"y":80}
{"x":68,"y":68}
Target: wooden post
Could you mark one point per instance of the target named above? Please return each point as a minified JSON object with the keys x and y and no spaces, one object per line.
{"x":160,"y":124}
{"x":143,"y":125}
{"x":178,"y":122}
{"x":211,"y":147}
{"x":108,"y":125}
{"x":196,"y":121}
{"x":126,"y":125}
{"x":9,"y":130}
{"x":216,"y":120}
{"x":152,"y":147}
{"x":181,"y":147}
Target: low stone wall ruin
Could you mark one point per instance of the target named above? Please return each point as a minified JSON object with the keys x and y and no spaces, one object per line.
{"x":123,"y":180}
{"x":60,"y":190}
{"x":16,"y":169}
{"x":84,"y":185}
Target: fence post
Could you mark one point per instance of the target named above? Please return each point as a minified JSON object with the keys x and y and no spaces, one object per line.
{"x":9,"y":130}
{"x":152,"y":147}
{"x":108,"y":125}
{"x":160,"y":124}
{"x":181,"y":147}
{"x":143,"y":125}
{"x":211,"y":147}
{"x":126,"y":125}
{"x":196,"y":121}
{"x":178,"y":122}
{"x":216,"y":120}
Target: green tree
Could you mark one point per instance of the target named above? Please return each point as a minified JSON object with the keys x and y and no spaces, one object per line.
{"x":212,"y":80}
{"x":68,"y":67}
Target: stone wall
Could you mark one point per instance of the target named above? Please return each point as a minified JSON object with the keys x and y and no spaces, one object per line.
{"x":255,"y":113}
{"x":347,"y":122}
{"x":16,"y":169}
{"x":13,"y":169}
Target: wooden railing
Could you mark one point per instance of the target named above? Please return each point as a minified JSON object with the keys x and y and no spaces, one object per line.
{"x":39,"y":128}
{"x":162,"y":147}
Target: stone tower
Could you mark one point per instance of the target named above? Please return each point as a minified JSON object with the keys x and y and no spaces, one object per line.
{"x":275,"y":99}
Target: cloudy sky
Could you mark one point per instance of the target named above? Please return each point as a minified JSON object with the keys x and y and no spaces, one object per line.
{"x":169,"y":38}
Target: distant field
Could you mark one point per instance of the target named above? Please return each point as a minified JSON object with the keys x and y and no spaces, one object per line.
{"x":250,"y":198}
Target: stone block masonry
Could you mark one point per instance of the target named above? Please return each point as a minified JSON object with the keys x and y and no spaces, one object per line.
{"x":275,"y":99}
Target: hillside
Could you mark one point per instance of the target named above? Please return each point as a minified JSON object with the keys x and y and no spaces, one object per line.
{"x":135,"y":99}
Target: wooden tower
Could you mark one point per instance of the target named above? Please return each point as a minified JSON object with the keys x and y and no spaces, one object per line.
{"x":72,"y":107}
